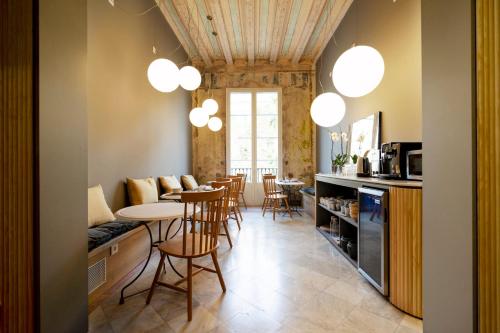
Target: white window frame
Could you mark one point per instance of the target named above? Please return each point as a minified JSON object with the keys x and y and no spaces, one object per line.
{"x":254,"y":92}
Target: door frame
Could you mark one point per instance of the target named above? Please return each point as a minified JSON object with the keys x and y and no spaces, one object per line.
{"x":253,"y":192}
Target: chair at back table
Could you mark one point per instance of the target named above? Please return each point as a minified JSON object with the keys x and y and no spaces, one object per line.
{"x":235,"y":196}
{"x":226,"y":185}
{"x":199,"y":238}
{"x":273,"y":197}
{"x":242,"y":190}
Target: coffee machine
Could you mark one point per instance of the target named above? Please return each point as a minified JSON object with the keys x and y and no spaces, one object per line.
{"x":393,"y":159}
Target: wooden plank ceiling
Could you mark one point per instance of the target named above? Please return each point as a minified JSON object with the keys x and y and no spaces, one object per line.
{"x":250,"y":32}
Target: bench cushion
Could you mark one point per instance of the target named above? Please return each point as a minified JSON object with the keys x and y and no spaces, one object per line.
{"x":308,"y":190}
{"x":105,"y":232}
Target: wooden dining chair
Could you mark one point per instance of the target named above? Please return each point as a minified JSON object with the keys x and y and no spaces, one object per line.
{"x":234,"y":204}
{"x":226,"y":185}
{"x":273,"y":197}
{"x":199,"y":238}
{"x":242,"y":190}
{"x":277,"y":191}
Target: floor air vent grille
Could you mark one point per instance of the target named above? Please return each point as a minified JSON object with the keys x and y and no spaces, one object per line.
{"x":97,"y":275}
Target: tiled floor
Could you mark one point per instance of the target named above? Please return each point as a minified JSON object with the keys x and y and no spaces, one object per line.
{"x":281,"y":276}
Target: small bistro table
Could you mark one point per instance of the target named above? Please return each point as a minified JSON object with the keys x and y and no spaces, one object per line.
{"x":291,"y":188}
{"x":146,"y":213}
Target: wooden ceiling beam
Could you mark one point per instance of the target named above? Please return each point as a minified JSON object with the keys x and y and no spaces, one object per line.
{"x":312,"y":20}
{"x":337,"y":14}
{"x":279,"y":30}
{"x":220,"y":27}
{"x":248,"y":10}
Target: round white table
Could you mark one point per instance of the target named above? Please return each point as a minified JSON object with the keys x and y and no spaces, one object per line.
{"x":289,"y":187}
{"x":171,"y":196}
{"x":146,"y":213}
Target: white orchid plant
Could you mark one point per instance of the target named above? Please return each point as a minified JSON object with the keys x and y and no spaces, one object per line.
{"x":341,"y":138}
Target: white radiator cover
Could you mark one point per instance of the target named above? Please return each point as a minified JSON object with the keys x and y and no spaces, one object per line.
{"x":96,"y":275}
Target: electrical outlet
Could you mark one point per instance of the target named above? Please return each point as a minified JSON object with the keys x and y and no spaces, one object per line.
{"x":112,"y":2}
{"x":114,"y":249}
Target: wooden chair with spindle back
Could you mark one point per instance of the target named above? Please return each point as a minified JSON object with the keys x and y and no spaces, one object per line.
{"x":277,"y":191}
{"x":199,"y":238}
{"x":234,"y":204}
{"x":226,"y":184}
{"x":273,"y":197}
{"x":242,"y":190}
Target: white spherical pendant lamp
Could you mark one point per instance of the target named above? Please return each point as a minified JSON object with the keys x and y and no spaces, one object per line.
{"x":211,"y":106}
{"x":215,"y":124}
{"x":358,"y":71}
{"x":189,"y":77}
{"x":163,"y":75}
{"x":198,"y":117}
{"x":327,"y":109}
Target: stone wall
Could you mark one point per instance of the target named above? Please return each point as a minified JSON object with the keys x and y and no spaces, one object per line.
{"x":298,"y":144}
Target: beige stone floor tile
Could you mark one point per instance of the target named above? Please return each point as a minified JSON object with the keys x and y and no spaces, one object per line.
{"x":281,"y":276}
{"x":98,"y":323}
{"x":325,"y":311}
{"x":412,"y":323}
{"x":133,"y":316}
{"x":347,"y":292}
{"x":203,"y":321}
{"x":360,"y":321}
{"x":252,"y":321}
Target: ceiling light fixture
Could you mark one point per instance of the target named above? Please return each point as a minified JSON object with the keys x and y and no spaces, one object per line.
{"x":198,"y":117}
{"x":327,"y":109}
{"x":210,"y":105}
{"x":215,"y":124}
{"x":163,"y":75}
{"x":358,"y":71}
{"x":190,"y":78}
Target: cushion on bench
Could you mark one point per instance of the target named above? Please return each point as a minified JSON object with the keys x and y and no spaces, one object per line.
{"x":105,"y":232}
{"x":309,"y":190}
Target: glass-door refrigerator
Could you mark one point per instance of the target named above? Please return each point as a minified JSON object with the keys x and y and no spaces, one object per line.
{"x":373,"y":248}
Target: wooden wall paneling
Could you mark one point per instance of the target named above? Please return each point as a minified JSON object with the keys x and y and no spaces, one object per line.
{"x":405,"y":237}
{"x":17,"y":167}
{"x":488,"y":163}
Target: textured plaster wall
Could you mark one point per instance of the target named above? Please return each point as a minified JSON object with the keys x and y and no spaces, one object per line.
{"x":298,"y":147}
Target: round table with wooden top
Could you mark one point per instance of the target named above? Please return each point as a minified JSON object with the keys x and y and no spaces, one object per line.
{"x":290,"y":186}
{"x":162,"y":211}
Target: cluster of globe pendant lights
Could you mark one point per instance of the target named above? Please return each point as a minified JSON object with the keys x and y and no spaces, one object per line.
{"x":357,"y":72}
{"x":165,"y":76}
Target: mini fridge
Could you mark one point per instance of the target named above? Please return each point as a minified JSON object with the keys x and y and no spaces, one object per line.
{"x":373,"y":243}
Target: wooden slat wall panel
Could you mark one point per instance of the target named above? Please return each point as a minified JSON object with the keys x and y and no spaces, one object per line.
{"x":488,"y":163}
{"x":405,"y":236}
{"x":16,"y":167}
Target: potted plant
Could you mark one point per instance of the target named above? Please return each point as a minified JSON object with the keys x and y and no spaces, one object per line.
{"x":340,"y":159}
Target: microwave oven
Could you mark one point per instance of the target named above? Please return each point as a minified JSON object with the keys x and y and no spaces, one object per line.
{"x":414,"y":164}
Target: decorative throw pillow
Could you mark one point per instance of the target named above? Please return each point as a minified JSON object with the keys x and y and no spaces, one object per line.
{"x":168,"y":183}
{"x":142,"y":191}
{"x":189,"y":182}
{"x":98,"y":210}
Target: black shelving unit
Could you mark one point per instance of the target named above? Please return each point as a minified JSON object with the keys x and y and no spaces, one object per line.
{"x":348,"y":227}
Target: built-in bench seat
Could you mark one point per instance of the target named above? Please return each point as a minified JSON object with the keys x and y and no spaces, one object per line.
{"x":309,"y":200}
{"x":103,"y":233}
